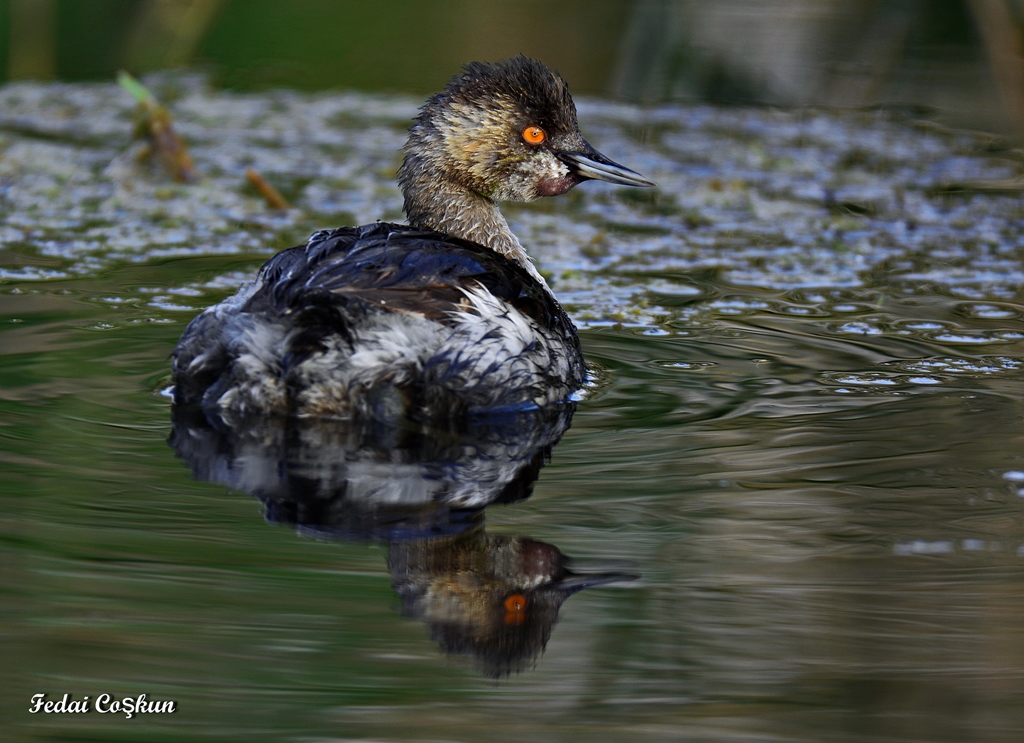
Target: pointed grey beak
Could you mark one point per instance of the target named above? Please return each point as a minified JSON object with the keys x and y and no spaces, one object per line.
{"x":593,"y":165}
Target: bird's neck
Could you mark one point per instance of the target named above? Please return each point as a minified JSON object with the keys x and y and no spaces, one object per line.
{"x":442,"y":205}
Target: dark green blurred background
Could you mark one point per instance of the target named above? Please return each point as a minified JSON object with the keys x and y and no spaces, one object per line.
{"x":961,"y":57}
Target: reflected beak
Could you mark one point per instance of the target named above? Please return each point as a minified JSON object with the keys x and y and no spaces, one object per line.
{"x":592,"y":165}
{"x":580,"y":576}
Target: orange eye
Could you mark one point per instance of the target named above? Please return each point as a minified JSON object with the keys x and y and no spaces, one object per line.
{"x":534,"y":135}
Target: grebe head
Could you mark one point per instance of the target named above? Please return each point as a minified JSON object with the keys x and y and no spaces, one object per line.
{"x":505,"y":131}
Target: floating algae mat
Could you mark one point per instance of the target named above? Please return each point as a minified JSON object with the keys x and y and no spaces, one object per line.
{"x":802,"y":441}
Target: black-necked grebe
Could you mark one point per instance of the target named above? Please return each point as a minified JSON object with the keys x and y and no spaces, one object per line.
{"x":438,"y":318}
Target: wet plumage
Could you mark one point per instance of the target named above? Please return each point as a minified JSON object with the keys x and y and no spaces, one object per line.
{"x":444,"y":317}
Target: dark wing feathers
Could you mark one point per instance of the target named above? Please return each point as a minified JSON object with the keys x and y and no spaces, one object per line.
{"x":396,"y":268}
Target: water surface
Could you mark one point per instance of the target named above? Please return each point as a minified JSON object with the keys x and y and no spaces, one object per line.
{"x":803,"y":434}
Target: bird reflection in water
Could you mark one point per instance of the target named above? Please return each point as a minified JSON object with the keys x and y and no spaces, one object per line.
{"x":422,"y":491}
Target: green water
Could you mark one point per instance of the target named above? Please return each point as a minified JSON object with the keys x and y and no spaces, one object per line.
{"x":803,"y":434}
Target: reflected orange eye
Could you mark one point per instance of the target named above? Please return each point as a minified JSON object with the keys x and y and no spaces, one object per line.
{"x":534,"y":135}
{"x":515,"y":603}
{"x":515,"y":609}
